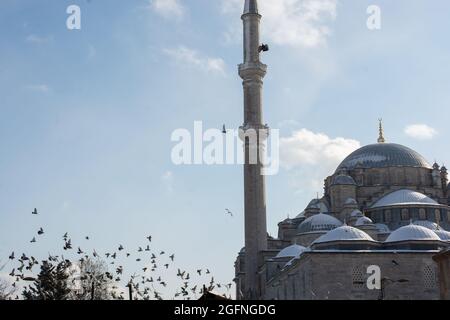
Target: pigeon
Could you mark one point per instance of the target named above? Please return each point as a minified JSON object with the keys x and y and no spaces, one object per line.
{"x":11,"y":257}
{"x":41,"y":231}
{"x":33,"y":240}
{"x":34,"y":211}
{"x":120,"y":248}
{"x":149,"y":238}
{"x":172,"y":257}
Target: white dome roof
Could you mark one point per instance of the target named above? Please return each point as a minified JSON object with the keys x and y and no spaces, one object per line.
{"x":356,"y":213}
{"x":291,"y":251}
{"x":345,"y":233}
{"x":427,"y":224}
{"x":319,"y":222}
{"x":363,"y":221}
{"x":350,"y":201}
{"x":404,"y":197}
{"x":412,"y":232}
{"x":382,"y":228}
{"x":444,"y":235}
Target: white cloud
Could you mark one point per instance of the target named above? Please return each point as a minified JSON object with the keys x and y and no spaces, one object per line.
{"x":32,"y":38}
{"x":192,"y":58}
{"x":299,"y":23}
{"x":420,"y":131}
{"x":168,"y":8}
{"x":167,"y":180}
{"x":313,"y":156}
{"x":41,"y":88}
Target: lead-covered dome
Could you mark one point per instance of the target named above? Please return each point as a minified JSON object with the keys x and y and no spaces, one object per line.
{"x":412,"y":232}
{"x":344,"y":233}
{"x":319,"y":222}
{"x":405,"y":197}
{"x":382,"y":155}
{"x":291,"y":252}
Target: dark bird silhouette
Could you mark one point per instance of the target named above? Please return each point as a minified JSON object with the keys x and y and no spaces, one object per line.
{"x":140,"y":249}
{"x":395,"y":263}
{"x":149,"y":238}
{"x":166,"y":265}
{"x":80,"y":251}
{"x":34,"y":211}
{"x":33,"y":240}
{"x":199,"y":271}
{"x":12,"y":274}
{"x":87,"y":238}
{"x":161,"y":253}
{"x":229,"y":212}
{"x":11,"y":256}
{"x":120,"y":248}
{"x":224,"y":130}
{"x":41,"y":231}
{"x":172,"y":257}
{"x":147,"y":248}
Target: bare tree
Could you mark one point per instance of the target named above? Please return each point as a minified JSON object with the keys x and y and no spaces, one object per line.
{"x":91,"y":280}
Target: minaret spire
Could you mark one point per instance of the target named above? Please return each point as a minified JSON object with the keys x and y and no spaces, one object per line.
{"x":253,"y":133}
{"x":251,"y":6}
{"x":381,"y":132}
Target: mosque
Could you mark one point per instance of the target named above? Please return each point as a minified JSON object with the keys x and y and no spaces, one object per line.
{"x":385,"y":209}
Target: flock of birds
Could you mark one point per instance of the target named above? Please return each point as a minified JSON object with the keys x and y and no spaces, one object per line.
{"x":147,"y":284}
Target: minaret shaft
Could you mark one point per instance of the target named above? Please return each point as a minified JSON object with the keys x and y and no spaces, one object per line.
{"x":252,"y":71}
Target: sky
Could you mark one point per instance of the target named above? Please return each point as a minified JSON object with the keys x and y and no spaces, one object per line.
{"x":87,"y":115}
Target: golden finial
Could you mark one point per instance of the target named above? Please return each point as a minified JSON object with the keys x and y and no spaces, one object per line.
{"x":381,"y":136}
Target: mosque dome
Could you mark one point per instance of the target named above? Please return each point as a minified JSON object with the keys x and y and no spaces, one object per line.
{"x":427,"y":224}
{"x":319,"y":222}
{"x":382,"y":228}
{"x":444,"y":235}
{"x":412,"y":232}
{"x":356,"y":213}
{"x":383,"y":155}
{"x":343,"y":179}
{"x":344,"y":233}
{"x":291,"y":251}
{"x":404,"y":197}
{"x":363,"y":221}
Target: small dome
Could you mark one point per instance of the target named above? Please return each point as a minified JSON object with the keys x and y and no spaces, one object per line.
{"x":344,"y":233}
{"x":350,"y":201}
{"x":363,"y":221}
{"x":343,"y":179}
{"x":427,"y":224}
{"x":356,"y":213}
{"x":444,"y":235}
{"x":319,"y":222}
{"x":404,"y":197}
{"x":291,"y":251}
{"x":382,"y":228}
{"x":412,"y":232}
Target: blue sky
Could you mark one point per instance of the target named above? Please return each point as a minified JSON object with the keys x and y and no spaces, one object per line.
{"x":87,"y":115}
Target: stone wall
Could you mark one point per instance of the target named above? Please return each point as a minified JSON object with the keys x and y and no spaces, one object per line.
{"x":343,"y":275}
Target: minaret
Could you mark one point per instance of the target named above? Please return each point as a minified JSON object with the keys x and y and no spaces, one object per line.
{"x":252,"y":71}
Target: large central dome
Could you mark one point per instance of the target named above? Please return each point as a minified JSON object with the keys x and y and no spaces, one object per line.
{"x":383,"y":155}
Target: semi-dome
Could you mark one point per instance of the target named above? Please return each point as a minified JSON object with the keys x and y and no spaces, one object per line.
{"x":344,"y":233}
{"x":362,"y":221}
{"x":290,"y":252}
{"x":319,"y":222}
{"x":343,"y":179}
{"x":412,"y":232}
{"x":427,"y":224}
{"x":404,"y":197}
{"x":443,"y":235}
{"x":382,"y":155}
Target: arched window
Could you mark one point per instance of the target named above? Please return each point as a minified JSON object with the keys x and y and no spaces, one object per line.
{"x":405,"y":214}
{"x":358,"y":279}
{"x":437,"y":215}
{"x":388,"y":216}
{"x":422,"y":214}
{"x":429,"y":277}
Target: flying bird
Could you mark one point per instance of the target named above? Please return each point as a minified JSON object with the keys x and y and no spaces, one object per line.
{"x":149,"y":238}
{"x":34,"y":211}
{"x":224,"y":130}
{"x":41,"y":231}
{"x":11,"y":257}
{"x":33,"y":240}
{"x":229,"y":212}
{"x":172,"y":257}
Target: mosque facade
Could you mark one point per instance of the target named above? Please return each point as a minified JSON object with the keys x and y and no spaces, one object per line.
{"x":373,"y":234}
